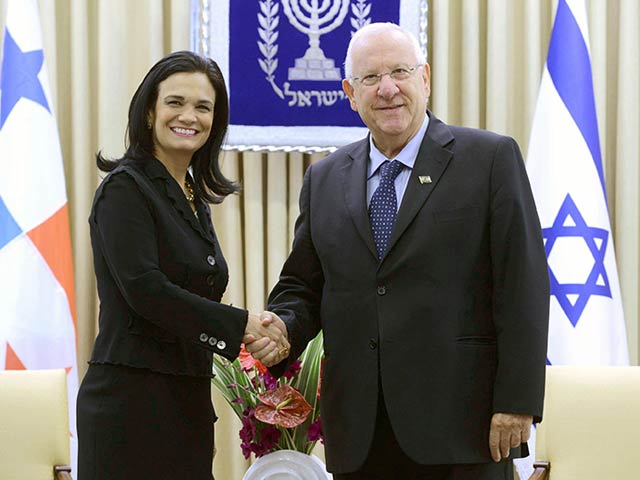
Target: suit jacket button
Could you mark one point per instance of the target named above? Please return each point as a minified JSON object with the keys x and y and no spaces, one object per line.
{"x":373,"y":344}
{"x":213,"y":341}
{"x":221,"y":345}
{"x":210,"y":280}
{"x":211,"y":261}
{"x":382,"y":290}
{"x":204,"y":337}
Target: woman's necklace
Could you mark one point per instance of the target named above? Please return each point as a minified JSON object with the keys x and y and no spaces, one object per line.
{"x":189,"y":191}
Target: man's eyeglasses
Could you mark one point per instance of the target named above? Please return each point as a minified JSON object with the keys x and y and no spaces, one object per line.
{"x":397,"y":75}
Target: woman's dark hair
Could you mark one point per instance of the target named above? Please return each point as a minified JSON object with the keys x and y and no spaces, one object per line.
{"x":211,"y":184}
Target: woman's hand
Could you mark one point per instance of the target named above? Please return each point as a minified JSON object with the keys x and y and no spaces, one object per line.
{"x":266,"y":338}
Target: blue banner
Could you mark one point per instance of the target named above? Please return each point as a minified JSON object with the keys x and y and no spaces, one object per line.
{"x":283,"y":62}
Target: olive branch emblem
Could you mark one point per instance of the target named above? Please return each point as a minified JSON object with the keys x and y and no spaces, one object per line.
{"x":269,"y":19}
{"x":360,"y":11}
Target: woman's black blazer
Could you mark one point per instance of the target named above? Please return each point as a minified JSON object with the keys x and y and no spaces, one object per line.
{"x":160,"y":275}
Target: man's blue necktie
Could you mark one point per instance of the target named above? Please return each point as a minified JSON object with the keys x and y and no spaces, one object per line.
{"x":384,"y":206}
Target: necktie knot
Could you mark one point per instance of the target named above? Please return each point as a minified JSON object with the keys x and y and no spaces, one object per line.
{"x":390,"y":170}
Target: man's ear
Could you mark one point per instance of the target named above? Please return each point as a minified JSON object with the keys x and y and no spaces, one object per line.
{"x":427,"y":78}
{"x":348,"y":89}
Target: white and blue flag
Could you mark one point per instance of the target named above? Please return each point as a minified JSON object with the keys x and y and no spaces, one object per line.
{"x":564,"y":163}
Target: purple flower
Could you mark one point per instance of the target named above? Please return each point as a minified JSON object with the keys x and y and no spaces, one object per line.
{"x":248,"y":430}
{"x":249,"y":412}
{"x":269,"y":437}
{"x":236,"y":400}
{"x":247,"y":434}
{"x":292,"y":370}
{"x":270,"y":382}
{"x":315,"y":431}
{"x":246,"y":450}
{"x":255,"y":437}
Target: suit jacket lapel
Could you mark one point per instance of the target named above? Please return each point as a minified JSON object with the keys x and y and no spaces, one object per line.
{"x":432,"y":160}
{"x":354,"y":186}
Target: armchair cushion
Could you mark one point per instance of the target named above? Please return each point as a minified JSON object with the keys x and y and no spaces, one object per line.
{"x":591,"y":425}
{"x":34,"y":424}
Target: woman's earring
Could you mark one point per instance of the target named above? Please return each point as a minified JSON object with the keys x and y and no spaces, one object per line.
{"x":149,"y":124}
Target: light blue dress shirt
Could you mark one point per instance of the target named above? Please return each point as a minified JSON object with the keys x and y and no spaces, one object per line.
{"x":407,"y":157}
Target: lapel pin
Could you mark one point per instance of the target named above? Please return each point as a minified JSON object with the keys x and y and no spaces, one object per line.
{"x":424,"y":179}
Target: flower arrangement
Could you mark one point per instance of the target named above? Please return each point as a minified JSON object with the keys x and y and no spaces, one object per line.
{"x":276,"y":414}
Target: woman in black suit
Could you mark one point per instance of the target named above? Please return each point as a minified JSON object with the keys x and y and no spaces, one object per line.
{"x":144,"y":406}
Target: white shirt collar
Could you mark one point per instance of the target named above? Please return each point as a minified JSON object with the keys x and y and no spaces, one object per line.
{"x":407,"y":155}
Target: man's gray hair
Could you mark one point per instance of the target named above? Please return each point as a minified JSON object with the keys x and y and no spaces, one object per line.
{"x":380,"y":27}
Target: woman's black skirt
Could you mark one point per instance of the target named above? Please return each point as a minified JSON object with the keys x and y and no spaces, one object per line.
{"x":135,"y":424}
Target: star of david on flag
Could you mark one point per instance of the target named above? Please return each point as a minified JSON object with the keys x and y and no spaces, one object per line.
{"x":569,"y":224}
{"x":38,"y":321}
{"x":564,"y":164}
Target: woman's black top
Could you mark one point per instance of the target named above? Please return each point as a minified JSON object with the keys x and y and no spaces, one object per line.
{"x":160,"y":276}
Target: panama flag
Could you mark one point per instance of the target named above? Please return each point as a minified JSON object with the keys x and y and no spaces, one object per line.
{"x":37,"y":299}
{"x":564,"y":163}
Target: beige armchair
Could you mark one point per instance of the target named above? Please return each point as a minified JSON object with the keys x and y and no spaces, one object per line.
{"x":591,"y":425}
{"x":34,"y":425}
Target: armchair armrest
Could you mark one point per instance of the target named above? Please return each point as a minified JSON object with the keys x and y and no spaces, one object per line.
{"x":540,"y":471}
{"x":62,"y":472}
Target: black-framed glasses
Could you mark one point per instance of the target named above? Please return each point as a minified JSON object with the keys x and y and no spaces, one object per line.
{"x":398,"y":74}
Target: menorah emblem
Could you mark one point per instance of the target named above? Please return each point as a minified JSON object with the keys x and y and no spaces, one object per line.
{"x":315,"y":18}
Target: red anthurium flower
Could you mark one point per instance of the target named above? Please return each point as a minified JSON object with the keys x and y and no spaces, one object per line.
{"x":248,"y":362}
{"x":284,"y":406}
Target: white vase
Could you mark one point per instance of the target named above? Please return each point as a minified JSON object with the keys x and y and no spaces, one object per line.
{"x":287,"y":465}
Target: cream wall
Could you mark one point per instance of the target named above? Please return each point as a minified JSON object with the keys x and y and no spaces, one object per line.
{"x":486,"y":58}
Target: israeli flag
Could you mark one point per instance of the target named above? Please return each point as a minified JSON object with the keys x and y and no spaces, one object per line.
{"x":564,"y":163}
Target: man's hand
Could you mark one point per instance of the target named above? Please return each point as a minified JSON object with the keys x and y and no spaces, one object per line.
{"x":266,"y":338}
{"x":508,"y":430}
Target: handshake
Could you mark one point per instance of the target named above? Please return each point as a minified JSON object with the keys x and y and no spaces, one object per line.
{"x":266,"y":338}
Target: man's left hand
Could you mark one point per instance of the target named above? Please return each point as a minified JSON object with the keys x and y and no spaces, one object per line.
{"x":508,"y":430}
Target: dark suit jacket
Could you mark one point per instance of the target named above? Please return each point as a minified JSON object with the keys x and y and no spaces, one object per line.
{"x":160,"y":276}
{"x":453,"y":320}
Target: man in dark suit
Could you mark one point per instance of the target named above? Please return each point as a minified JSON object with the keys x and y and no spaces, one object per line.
{"x":418,"y":252}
